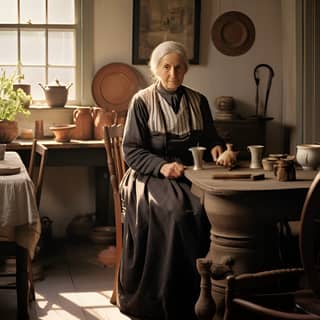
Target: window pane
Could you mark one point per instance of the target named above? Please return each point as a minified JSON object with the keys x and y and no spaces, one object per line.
{"x":8,"y":11}
{"x":32,"y":11}
{"x":61,"y":48}
{"x":33,"y":47}
{"x":66,"y":76}
{"x":8,"y":40}
{"x":33,"y":76}
{"x":61,"y":11}
{"x":8,"y":70}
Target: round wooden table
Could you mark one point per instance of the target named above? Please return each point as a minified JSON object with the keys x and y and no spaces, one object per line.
{"x":243,"y":214}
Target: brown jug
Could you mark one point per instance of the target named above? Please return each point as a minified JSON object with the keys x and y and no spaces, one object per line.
{"x":102,"y":118}
{"x":83,"y":118}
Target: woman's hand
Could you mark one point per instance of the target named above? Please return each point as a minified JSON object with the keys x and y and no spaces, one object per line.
{"x":216,"y":151}
{"x":172,"y":170}
{"x":228,"y":158}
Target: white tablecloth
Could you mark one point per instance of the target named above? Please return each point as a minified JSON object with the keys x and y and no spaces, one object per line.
{"x":19,"y":215}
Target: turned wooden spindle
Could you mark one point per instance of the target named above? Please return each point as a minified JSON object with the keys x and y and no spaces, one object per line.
{"x":205,"y":307}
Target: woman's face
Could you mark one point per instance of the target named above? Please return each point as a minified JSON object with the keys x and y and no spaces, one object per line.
{"x":171,"y":71}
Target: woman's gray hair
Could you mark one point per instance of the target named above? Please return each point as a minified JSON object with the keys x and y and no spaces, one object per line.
{"x":162,"y":50}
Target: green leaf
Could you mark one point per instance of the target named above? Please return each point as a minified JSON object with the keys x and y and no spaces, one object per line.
{"x":12,"y":101}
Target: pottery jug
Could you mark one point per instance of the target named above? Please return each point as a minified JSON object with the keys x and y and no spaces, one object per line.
{"x":83,"y":119}
{"x":102,"y":118}
{"x":256,"y":152}
{"x":56,"y":94}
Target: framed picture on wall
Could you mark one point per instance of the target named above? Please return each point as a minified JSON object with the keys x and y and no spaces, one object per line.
{"x":155,"y":21}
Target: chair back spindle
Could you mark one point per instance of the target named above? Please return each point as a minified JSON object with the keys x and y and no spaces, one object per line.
{"x":116,"y":167}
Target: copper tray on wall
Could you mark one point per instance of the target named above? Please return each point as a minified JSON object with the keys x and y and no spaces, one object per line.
{"x":233,"y":33}
{"x":114,"y":85}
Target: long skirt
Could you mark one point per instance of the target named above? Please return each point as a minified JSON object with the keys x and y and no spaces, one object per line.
{"x":165,"y":231}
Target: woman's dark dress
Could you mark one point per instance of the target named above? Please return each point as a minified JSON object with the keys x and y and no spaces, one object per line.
{"x":165,"y":228}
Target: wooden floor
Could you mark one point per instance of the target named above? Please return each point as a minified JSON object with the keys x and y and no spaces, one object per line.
{"x":76,"y":287}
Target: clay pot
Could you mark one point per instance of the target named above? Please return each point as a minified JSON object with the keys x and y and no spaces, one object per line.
{"x":224,"y":103}
{"x":308,"y":156}
{"x":8,"y":131}
{"x":56,"y":94}
{"x":102,"y":118}
{"x":83,"y":119}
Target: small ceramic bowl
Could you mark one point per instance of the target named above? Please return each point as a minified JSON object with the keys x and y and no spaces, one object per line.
{"x":62,"y":132}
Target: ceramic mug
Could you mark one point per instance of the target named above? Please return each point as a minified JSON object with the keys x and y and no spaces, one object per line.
{"x":197,"y":154}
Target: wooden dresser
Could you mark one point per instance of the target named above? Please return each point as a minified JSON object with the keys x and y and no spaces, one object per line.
{"x":242,"y":133}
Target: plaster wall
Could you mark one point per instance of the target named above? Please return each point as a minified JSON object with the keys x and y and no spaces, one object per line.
{"x":70,"y":191}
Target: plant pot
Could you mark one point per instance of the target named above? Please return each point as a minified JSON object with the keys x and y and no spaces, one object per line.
{"x":8,"y":131}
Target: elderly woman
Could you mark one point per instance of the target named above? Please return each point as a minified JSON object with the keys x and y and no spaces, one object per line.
{"x":165,"y":229}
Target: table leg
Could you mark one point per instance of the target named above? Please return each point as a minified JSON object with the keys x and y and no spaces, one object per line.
{"x":104,"y":200}
{"x":22,"y":282}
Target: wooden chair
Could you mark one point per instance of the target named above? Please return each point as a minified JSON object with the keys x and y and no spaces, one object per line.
{"x":285,"y":293}
{"x":42,"y":151}
{"x":38,"y":152}
{"x":117,"y":167}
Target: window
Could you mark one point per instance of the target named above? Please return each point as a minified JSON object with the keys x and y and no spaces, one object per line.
{"x":43,"y":39}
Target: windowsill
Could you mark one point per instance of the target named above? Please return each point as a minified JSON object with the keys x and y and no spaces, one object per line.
{"x":50,"y":115}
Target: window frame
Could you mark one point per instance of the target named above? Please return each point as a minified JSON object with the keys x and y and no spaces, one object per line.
{"x":83,"y":48}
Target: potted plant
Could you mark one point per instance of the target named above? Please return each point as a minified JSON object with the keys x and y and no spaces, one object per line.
{"x":12,"y":102}
{"x":26,"y":87}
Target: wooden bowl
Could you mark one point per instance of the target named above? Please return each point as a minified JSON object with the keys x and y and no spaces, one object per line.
{"x":62,"y":132}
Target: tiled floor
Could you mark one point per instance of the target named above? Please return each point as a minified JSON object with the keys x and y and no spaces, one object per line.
{"x":76,"y":287}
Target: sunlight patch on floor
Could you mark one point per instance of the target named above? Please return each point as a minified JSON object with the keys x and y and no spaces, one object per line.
{"x":59,"y":314}
{"x":86,"y":299}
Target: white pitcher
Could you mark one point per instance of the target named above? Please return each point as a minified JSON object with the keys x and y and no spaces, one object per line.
{"x":256,"y":152}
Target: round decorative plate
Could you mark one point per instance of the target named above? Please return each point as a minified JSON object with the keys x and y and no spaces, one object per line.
{"x":233,"y":33}
{"x":114,"y":85}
